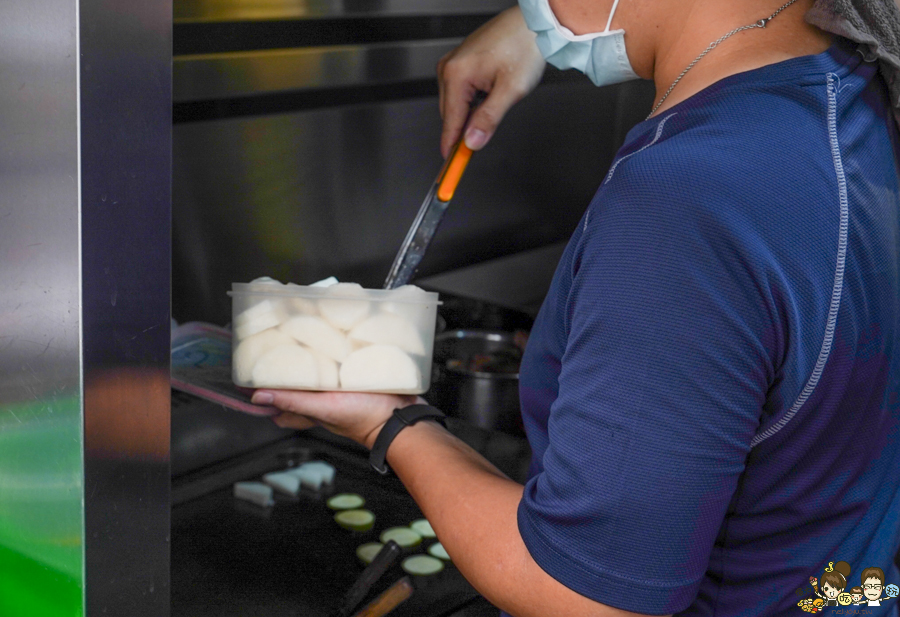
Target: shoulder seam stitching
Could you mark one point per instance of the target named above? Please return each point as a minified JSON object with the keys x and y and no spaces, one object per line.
{"x":824,"y":352}
{"x":659,"y":130}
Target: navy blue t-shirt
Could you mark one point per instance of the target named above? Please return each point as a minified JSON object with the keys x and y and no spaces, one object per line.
{"x":711,"y":386}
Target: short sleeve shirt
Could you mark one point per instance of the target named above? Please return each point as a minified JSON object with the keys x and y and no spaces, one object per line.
{"x":711,"y":387}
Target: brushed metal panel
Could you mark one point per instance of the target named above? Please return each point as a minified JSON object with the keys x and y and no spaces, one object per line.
{"x":125,"y":96}
{"x":246,"y":10}
{"x":323,"y":192}
{"x":41,"y":526}
{"x":235,"y":74}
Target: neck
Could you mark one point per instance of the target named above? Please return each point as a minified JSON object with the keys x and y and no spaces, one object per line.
{"x":691,"y":27}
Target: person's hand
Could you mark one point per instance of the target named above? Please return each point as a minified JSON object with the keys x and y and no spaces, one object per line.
{"x":356,"y":415}
{"x":500,"y":59}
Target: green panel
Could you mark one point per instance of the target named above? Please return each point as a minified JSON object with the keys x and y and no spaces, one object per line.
{"x":41,"y":512}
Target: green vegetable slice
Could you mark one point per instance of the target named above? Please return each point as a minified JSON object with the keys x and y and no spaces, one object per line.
{"x":404,"y":536}
{"x":423,"y":528}
{"x":422,"y":565}
{"x":366,"y":552}
{"x":355,"y":520}
{"x":346,"y":501}
{"x":437,"y":550}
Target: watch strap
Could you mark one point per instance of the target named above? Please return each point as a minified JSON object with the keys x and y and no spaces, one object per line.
{"x":401,"y":418}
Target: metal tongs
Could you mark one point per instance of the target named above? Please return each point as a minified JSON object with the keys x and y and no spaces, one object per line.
{"x":432,"y":210}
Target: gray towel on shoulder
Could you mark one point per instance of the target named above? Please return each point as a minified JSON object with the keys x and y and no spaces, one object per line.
{"x":875,"y":24}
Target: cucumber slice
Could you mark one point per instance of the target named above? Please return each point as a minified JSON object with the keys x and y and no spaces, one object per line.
{"x":366,"y":552}
{"x":422,"y":565}
{"x":355,"y":520}
{"x":346,"y":501}
{"x":437,"y":550}
{"x":423,"y":528}
{"x":404,"y":536}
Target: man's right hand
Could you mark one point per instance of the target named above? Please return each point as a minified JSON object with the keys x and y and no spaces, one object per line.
{"x":500,"y":59}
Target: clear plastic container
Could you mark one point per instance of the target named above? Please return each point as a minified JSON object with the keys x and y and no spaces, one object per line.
{"x":341,"y":337}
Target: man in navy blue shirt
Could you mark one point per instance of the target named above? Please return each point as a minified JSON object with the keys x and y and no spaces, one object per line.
{"x":712,"y":386}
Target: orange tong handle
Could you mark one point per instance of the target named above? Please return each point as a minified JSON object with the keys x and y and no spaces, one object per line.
{"x":459,"y":158}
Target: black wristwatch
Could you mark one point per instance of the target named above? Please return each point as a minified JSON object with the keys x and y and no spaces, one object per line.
{"x":397,"y":422}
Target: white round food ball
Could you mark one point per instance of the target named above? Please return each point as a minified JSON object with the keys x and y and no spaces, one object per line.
{"x":345,"y":305}
{"x":261,"y":316}
{"x":406,"y":301}
{"x":328,"y":371}
{"x":389,"y":329}
{"x":380,"y":367}
{"x":251,"y":348}
{"x":316,"y":333}
{"x":265,"y":280}
{"x":288,"y":366}
{"x":300,"y":306}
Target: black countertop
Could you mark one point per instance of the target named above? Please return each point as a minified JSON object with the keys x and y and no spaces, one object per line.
{"x":231,"y":557}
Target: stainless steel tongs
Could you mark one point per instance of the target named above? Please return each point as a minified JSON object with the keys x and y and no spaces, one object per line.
{"x":432,"y":210}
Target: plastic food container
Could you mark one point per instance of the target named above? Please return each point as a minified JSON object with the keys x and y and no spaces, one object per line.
{"x":341,"y":337}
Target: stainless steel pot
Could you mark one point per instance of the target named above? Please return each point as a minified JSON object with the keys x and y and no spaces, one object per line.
{"x":460,"y":388}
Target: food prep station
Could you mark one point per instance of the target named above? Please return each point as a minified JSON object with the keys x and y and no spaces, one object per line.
{"x":157,"y":152}
{"x":232,"y":557}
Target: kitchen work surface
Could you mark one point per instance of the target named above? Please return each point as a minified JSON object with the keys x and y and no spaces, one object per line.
{"x":234,"y":558}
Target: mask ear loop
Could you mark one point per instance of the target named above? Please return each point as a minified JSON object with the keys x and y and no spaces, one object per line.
{"x":611,"y":13}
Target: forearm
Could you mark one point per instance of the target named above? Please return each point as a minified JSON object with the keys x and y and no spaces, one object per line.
{"x":472,"y":507}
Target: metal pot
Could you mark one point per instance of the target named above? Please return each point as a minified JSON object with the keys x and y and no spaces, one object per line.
{"x":486,"y":398}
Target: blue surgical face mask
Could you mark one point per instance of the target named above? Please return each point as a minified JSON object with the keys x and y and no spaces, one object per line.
{"x":600,"y":55}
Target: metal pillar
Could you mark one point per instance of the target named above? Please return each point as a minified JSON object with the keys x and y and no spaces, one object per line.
{"x":85,"y":208}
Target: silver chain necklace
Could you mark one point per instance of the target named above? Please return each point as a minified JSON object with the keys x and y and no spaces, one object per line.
{"x":762,"y":23}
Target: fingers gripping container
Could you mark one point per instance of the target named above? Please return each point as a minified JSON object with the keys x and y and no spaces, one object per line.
{"x":341,"y":337}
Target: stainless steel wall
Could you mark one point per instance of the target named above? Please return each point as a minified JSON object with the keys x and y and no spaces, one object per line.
{"x":41,"y":484}
{"x":310,"y":160}
{"x":300,"y":196}
{"x":85,"y":138}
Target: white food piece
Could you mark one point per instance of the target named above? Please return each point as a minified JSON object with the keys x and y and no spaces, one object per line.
{"x":328,"y":371}
{"x":406,"y":301}
{"x":283,"y":482}
{"x":345,"y":306}
{"x":367,"y":552}
{"x":327,"y":282}
{"x":422,"y":565}
{"x":261,"y":316}
{"x":404,"y":536}
{"x":311,"y":478}
{"x":380,"y":367}
{"x":300,"y":306}
{"x":411,"y":292}
{"x":252,"y":348}
{"x":287,"y":366}
{"x":314,"y":474}
{"x":423,"y":528}
{"x":437,"y":550}
{"x":316,"y":333}
{"x":255,"y":492}
{"x":389,"y":329}
{"x":265,"y":280}
{"x":325,"y":470}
